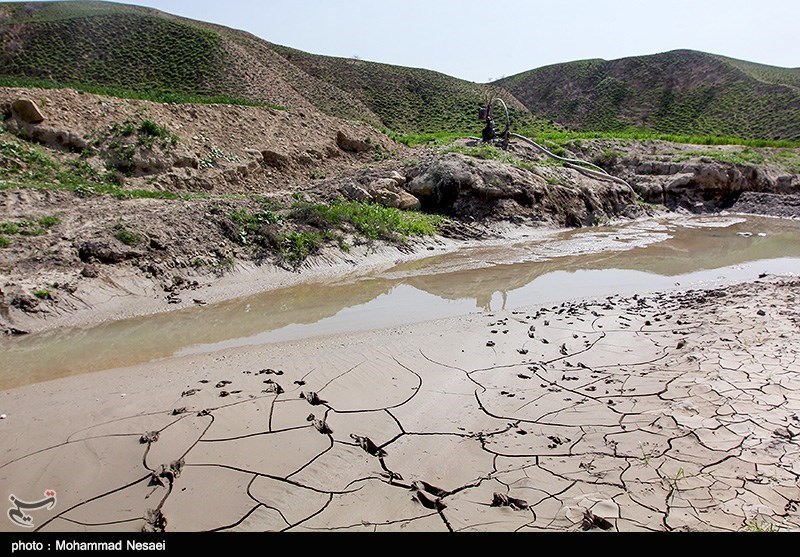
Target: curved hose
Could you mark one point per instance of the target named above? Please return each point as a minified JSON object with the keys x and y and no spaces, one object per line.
{"x":594,"y":170}
{"x":505,"y":133}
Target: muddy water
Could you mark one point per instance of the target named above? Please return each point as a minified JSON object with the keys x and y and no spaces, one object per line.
{"x":635,"y":257}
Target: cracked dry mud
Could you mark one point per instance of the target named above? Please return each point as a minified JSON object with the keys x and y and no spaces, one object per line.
{"x":675,"y":411}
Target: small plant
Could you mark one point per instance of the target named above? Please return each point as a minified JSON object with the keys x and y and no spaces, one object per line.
{"x":223,"y":264}
{"x":29,"y":227}
{"x":126,"y":236}
{"x":4,"y":242}
{"x":295,"y":247}
{"x":757,"y":525}
{"x":42,"y":294}
{"x":49,"y":221}
{"x":9,"y":228}
{"x":249,"y":225}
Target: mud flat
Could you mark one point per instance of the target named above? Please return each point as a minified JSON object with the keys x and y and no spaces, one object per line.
{"x":665,"y":411}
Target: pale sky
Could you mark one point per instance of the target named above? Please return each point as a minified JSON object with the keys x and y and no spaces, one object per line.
{"x":463,"y":38}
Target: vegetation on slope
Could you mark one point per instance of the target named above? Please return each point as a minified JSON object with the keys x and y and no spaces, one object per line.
{"x":142,"y":53}
{"x":138,"y":52}
{"x":680,"y":92}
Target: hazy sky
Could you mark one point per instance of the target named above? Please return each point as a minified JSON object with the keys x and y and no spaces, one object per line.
{"x":461,"y":38}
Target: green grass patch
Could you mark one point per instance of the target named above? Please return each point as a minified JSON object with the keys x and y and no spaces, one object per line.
{"x":29,"y":226}
{"x":49,"y":221}
{"x":370,"y":220}
{"x":127,"y":237}
{"x":251,"y":224}
{"x":28,"y":166}
{"x":9,"y":228}
{"x":4,"y":242}
{"x":164,"y":97}
{"x":295,"y":247}
{"x":42,"y":294}
{"x":562,"y":138}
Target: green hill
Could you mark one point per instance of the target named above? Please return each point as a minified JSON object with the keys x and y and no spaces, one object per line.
{"x":140,"y":52}
{"x":678,"y":92}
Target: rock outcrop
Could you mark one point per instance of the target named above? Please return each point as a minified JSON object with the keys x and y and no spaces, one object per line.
{"x":705,"y":186}
{"x":386,"y":191}
{"x":468,"y":188}
{"x":347,"y":143}
{"x":27,"y":111}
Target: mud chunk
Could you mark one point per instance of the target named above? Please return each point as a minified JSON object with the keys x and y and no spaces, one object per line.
{"x":591,"y":521}
{"x":312,"y":398}
{"x":154,"y":521}
{"x":500,"y":500}
{"x":368,"y":445}
{"x":427,"y":502}
{"x":421,"y":485}
{"x":320,"y":425}
{"x":149,"y":437}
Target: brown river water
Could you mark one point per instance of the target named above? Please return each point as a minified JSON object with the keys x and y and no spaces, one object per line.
{"x":635,"y":257}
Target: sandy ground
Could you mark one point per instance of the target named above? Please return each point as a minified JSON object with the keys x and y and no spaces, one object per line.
{"x":676,"y":411}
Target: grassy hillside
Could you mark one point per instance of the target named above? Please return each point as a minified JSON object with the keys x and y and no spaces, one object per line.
{"x":140,"y":52}
{"x":408,"y":100}
{"x":679,"y":92}
{"x":110,"y":46}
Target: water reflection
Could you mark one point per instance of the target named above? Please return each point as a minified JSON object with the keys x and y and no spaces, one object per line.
{"x":638,"y":256}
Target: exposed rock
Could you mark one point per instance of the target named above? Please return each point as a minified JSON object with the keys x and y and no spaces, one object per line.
{"x":47,"y":135}
{"x":351,"y":145}
{"x":27,"y":111}
{"x":408,"y":202}
{"x":383,"y":184}
{"x":23,"y":301}
{"x":275,"y":159}
{"x":464,"y":187}
{"x":706,"y":186}
{"x":398,"y":179}
{"x":773,"y":204}
{"x":90,"y":271}
{"x":354,"y":192}
{"x":186,"y":161}
{"x":387,"y":198}
{"x":104,"y":252}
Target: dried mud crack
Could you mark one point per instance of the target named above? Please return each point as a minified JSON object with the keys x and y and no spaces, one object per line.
{"x":676,"y":411}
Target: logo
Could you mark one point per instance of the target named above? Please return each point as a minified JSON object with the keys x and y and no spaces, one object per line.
{"x":17,"y":514}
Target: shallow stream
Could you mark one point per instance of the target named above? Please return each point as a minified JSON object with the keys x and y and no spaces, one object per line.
{"x":635,"y":257}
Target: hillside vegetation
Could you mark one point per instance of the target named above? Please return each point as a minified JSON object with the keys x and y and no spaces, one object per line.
{"x":679,"y":92}
{"x":135,"y":52}
{"x":143,"y":53}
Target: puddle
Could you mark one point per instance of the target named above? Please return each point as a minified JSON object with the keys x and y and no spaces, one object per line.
{"x":635,"y":257}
